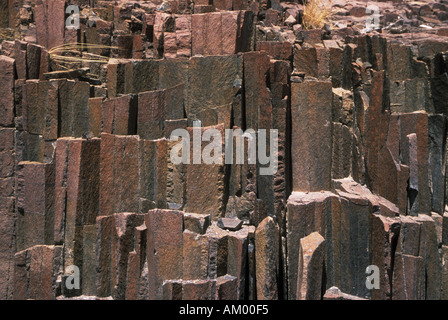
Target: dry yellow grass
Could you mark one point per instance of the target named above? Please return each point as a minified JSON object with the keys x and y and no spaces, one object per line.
{"x":6,"y":34}
{"x":316,"y":13}
{"x":70,"y":54}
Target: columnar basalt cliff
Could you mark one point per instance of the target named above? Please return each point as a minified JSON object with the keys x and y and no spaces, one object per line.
{"x":89,"y":189}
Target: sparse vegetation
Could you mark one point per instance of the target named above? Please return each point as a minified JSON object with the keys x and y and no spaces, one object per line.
{"x":316,"y":13}
{"x":6,"y":34}
{"x":70,"y":55}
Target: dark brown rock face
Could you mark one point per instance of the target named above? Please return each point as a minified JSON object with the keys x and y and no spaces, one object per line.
{"x":223,"y":150}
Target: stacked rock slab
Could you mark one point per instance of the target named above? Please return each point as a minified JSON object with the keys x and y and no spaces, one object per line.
{"x":90,"y":186}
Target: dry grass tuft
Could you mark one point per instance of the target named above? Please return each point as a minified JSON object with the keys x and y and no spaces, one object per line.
{"x":6,"y":34}
{"x":316,"y":13}
{"x":70,"y":55}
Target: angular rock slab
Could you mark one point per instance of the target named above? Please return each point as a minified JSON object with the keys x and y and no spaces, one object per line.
{"x":35,"y":272}
{"x":7,"y":66}
{"x":311,"y":111}
{"x":164,"y":250}
{"x":311,"y":266}
{"x":307,"y":213}
{"x":267,"y":259}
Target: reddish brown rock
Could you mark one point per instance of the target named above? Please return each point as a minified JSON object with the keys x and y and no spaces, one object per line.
{"x":208,"y":90}
{"x":50,"y":23}
{"x":7,"y":247}
{"x":218,"y":251}
{"x":200,"y":8}
{"x":384,"y":235}
{"x":237,"y":258}
{"x":7,"y":97}
{"x":336,"y":55}
{"x":33,"y":60}
{"x":267,"y":255}
{"x":363,"y":195}
{"x":444,"y":295}
{"x":342,"y":151}
{"x":401,"y":54}
{"x":7,"y":144}
{"x":200,"y":196}
{"x":35,"y":201}
{"x":311,"y":265}
{"x":172,"y":289}
{"x":334,"y":293}
{"x":164,"y":250}
{"x":76,"y":204}
{"x":151,"y":114}
{"x":307,"y":213}
{"x":311,"y":134}
{"x":223,"y":4}
{"x":197,"y":35}
{"x":118,"y":174}
{"x":353,"y":214}
{"x":175,"y":178}
{"x":228,"y":255}
{"x":347,"y":68}
{"x":40,"y":108}
{"x":140,"y":269}
{"x":306,"y":60}
{"x":196,"y":222}
{"x":119,"y":115}
{"x":4,"y":15}
{"x":20,"y":57}
{"x":104,"y":255}
{"x":74,"y":95}
{"x":428,"y":250}
{"x":212,"y":34}
{"x":408,"y":278}
{"x":19,"y":92}
{"x":183,"y":35}
{"x":123,"y":242}
{"x":436,"y":129}
{"x":169,"y":45}
{"x":276,"y":49}
{"x":120,"y":77}
{"x":199,"y":290}
{"x":415,"y":155}
{"x":35,"y":272}
{"x":356,"y":160}
{"x":95,"y":106}
{"x":152,"y":174}
{"x":160,"y":21}
{"x":29,"y":147}
{"x":226,"y":288}
{"x":125,"y":44}
{"x":88,"y":260}
{"x":7,"y":187}
{"x":229,"y":25}
{"x":373,"y":129}
{"x":257,"y":95}
{"x":195,"y":256}
{"x":218,"y":33}
{"x":76,"y":188}
{"x":132,"y":276}
{"x":67,"y":218}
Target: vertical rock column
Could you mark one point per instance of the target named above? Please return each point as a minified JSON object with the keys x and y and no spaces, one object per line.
{"x":311,"y":135}
{"x":164,"y":248}
{"x":311,"y":149}
{"x":50,"y":23}
{"x":267,"y":257}
{"x":7,"y":165}
{"x":77,"y":204}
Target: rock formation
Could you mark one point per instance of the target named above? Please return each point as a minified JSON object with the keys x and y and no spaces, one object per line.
{"x":355,"y":121}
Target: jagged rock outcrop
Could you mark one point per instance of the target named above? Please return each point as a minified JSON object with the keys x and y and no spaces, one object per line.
{"x":336,"y":165}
